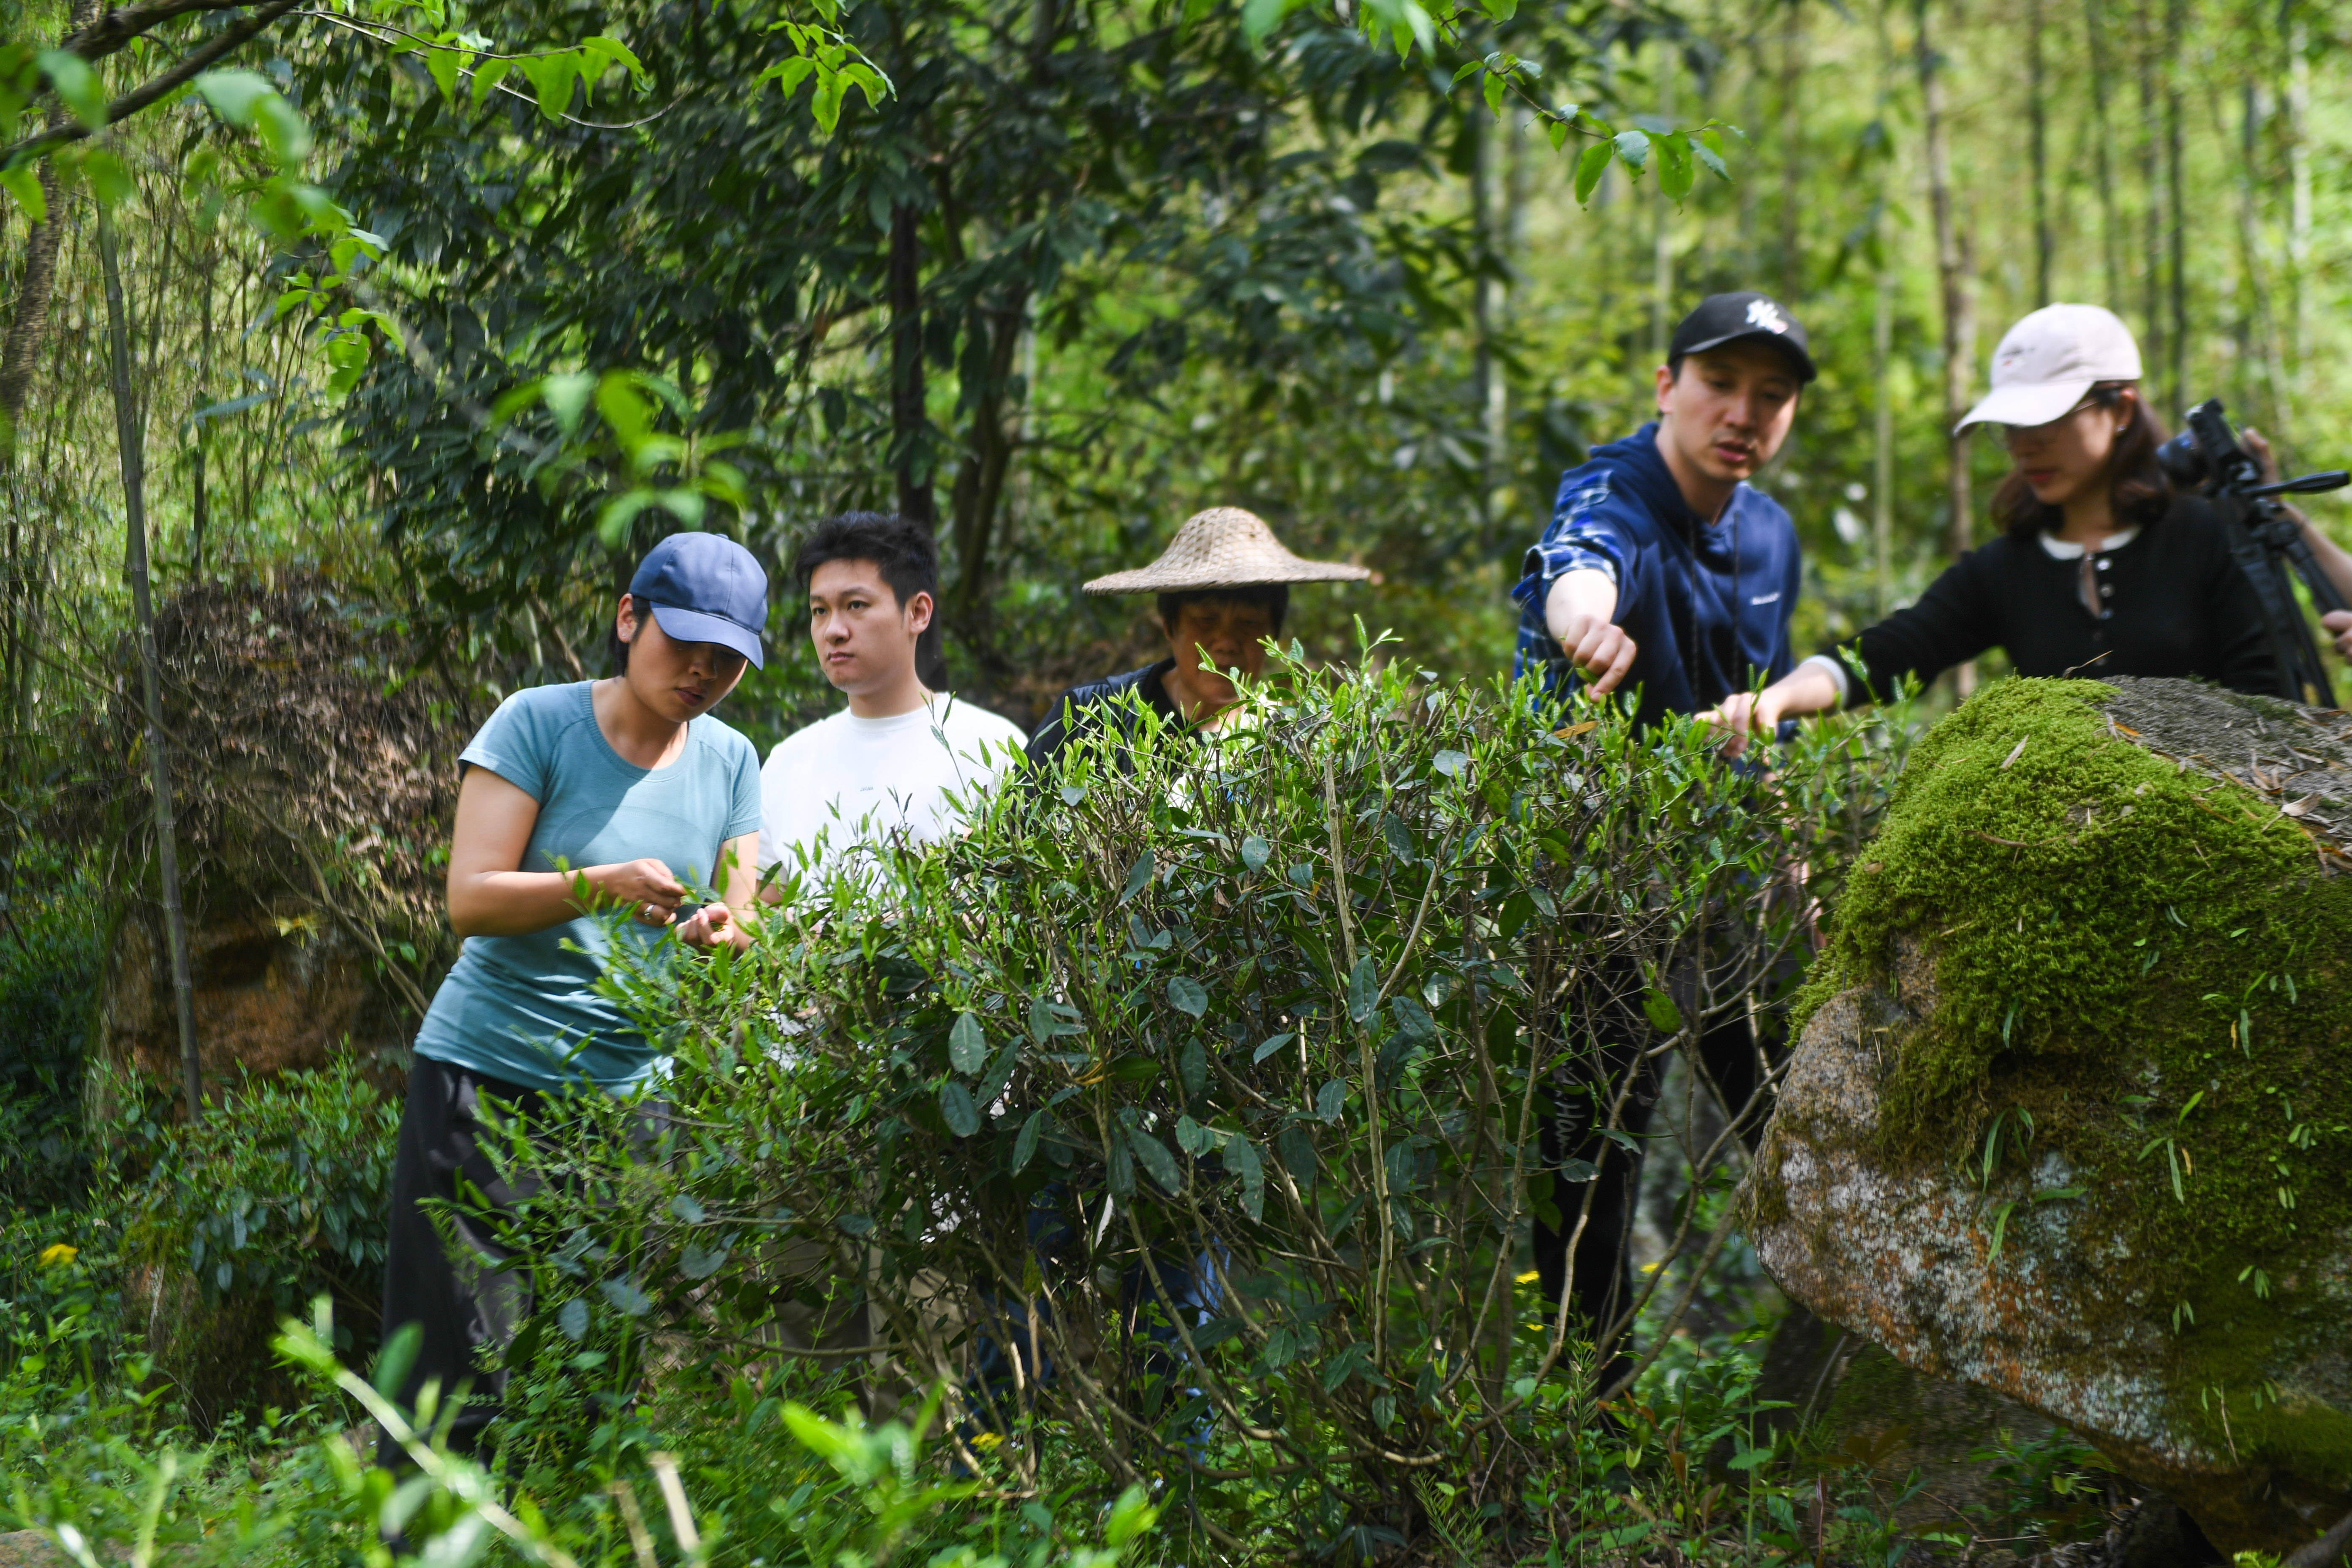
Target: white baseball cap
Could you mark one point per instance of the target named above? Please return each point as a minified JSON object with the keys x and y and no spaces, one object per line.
{"x":2048,"y":361}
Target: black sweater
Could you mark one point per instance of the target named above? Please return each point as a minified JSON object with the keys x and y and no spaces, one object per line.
{"x":1084,"y":709}
{"x":2176,"y":605}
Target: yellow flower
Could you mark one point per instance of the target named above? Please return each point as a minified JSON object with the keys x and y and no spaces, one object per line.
{"x":57,"y":1253}
{"x":1530,"y":1276}
{"x":987,"y":1440}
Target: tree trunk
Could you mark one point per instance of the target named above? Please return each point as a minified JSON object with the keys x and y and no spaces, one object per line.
{"x":2038,"y":124}
{"x":2110,"y":235}
{"x":910,"y":417}
{"x":1882,"y":454}
{"x":2152,"y":196}
{"x":1952,"y":269}
{"x":200,"y":510}
{"x":1882,"y":350}
{"x":2298,"y":162}
{"x":1793,"y":157}
{"x":1662,"y":237}
{"x":28,"y":328}
{"x":130,"y":428}
{"x":2175,"y":205}
{"x":1486,"y":301}
{"x":979,"y":493}
{"x":2256,"y":329}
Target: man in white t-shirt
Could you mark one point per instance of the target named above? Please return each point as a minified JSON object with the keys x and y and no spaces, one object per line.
{"x":901,"y":759}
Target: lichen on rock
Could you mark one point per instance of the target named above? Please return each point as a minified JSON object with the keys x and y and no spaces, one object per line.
{"x":2069,"y":1117}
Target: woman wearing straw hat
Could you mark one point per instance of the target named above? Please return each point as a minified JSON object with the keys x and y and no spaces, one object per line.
{"x":2103,"y":567}
{"x":1223,"y":584}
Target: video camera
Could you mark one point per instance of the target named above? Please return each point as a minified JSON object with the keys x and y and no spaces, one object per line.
{"x":2265,"y":541}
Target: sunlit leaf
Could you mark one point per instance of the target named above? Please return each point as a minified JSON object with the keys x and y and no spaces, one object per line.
{"x":1591,"y":165}
{"x":1025,"y":1147}
{"x":445,"y":65}
{"x":1138,"y":877}
{"x":109,"y":180}
{"x":967,"y":1044}
{"x":282,"y":129}
{"x":626,"y":1298}
{"x":1187,"y":994}
{"x":1157,"y":1161}
{"x":78,"y":87}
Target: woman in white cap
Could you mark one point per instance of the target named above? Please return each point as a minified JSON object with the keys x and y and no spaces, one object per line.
{"x":1223,"y":584}
{"x":2103,"y":568}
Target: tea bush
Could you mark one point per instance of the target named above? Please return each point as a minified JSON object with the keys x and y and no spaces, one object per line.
{"x":280,"y":1193}
{"x":49,"y":963}
{"x":1184,"y":1116}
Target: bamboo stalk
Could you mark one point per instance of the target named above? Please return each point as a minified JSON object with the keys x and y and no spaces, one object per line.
{"x":131,"y":436}
{"x":2038,"y":125}
{"x":1953,"y":265}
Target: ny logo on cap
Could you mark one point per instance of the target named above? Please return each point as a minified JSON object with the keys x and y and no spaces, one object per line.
{"x":1766,"y":315}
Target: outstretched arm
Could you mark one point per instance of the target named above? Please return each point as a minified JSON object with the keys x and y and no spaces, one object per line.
{"x":1808,"y":688}
{"x":1577,"y":612}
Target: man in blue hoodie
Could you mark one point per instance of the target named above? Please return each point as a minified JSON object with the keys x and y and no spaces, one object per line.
{"x":1662,"y":565}
{"x":1663,"y":568}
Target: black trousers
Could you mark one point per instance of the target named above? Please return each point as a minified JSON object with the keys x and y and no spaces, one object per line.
{"x":1733,"y":1053}
{"x":466,"y":1304}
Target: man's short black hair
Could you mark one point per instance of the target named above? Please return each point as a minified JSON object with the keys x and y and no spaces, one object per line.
{"x":903,"y":552}
{"x":1272,"y":598}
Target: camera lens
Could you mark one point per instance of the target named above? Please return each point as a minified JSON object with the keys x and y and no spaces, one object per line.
{"x":2183,"y":463}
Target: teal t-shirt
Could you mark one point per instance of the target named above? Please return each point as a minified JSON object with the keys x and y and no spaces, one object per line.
{"x":525,"y":1008}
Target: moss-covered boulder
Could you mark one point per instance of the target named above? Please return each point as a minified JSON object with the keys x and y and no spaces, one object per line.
{"x":2071,"y":1114}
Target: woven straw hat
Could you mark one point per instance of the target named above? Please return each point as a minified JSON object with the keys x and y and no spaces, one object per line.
{"x":1224,"y":547}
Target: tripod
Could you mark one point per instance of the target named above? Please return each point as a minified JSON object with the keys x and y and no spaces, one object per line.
{"x":2263,"y":538}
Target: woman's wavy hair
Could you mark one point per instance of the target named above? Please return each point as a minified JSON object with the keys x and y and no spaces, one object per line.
{"x":2137,"y":492}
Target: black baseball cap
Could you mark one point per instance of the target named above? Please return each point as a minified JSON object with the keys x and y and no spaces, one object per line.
{"x":705,"y":587}
{"x":1726,"y":318}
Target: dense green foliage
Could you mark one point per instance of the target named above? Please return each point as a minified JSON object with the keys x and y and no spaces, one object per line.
{"x":48,"y":986}
{"x":1042,"y":1019}
{"x":1284,"y":1007}
{"x":444,"y":312}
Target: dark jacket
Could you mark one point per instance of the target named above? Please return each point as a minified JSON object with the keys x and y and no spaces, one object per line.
{"x":2174,"y":602}
{"x":1085,"y":708}
{"x":1706,"y":604}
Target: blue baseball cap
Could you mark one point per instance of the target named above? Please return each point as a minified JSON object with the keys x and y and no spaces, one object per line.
{"x":705,"y":587}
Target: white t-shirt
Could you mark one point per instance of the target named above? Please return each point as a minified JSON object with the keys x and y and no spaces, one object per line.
{"x":846,"y":781}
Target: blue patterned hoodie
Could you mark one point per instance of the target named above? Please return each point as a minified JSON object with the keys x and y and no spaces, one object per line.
{"x":1707,"y":605}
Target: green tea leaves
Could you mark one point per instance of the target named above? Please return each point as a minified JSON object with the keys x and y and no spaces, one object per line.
{"x":1157,"y":1161}
{"x":1363,"y":989}
{"x":967,"y":1044}
{"x":1138,"y":877}
{"x":1025,"y":1147}
{"x":1188,"y":995}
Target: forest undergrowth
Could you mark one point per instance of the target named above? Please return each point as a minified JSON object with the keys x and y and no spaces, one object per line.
{"x":972,"y":1048}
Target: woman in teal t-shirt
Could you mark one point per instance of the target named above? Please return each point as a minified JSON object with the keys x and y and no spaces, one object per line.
{"x":576,"y":801}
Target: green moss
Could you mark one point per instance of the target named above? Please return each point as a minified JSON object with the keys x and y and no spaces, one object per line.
{"x":2103,"y":926}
